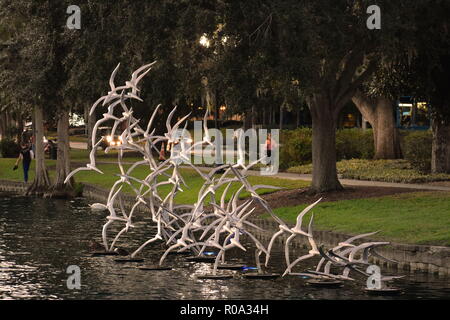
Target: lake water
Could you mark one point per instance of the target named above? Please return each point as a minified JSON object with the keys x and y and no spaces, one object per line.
{"x":40,"y":238}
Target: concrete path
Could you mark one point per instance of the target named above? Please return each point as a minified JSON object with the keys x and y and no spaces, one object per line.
{"x":78,"y":145}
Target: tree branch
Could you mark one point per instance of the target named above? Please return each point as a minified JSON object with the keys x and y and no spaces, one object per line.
{"x":353,"y":60}
{"x":351,"y":89}
{"x":364,"y":105}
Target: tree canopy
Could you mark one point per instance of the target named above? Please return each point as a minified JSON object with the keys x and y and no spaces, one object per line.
{"x":255,"y":54}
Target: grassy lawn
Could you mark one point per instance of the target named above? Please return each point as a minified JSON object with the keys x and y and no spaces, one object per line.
{"x":378,"y":170}
{"x":79,"y":155}
{"x":7,"y":173}
{"x":106,"y":180}
{"x":75,"y":138}
{"x":193,"y":181}
{"x":78,"y":138}
{"x":419,"y":218}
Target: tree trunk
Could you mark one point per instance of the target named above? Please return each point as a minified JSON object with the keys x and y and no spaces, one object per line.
{"x":91,"y":124}
{"x":60,"y":189}
{"x":41,"y":181}
{"x":6,"y":125}
{"x":440,"y":154}
{"x":253,"y":116}
{"x":281,"y":116}
{"x":387,"y":139}
{"x":264,"y":115}
{"x":378,"y":112}
{"x":323,"y":146}
{"x":20,"y":127}
{"x":273,"y":115}
{"x":3,"y":124}
{"x":364,"y":123}
{"x":9,"y":125}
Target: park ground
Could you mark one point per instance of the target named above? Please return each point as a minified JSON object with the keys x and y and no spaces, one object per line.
{"x":402,"y":215}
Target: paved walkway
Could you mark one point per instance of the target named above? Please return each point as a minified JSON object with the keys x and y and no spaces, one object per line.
{"x":78,"y":145}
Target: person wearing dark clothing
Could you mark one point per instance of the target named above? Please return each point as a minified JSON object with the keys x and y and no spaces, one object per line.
{"x":26,"y":154}
{"x":52,"y":149}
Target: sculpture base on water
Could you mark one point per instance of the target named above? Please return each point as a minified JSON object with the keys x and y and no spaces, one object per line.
{"x":104,"y":253}
{"x":182,"y":253}
{"x":215,"y":277}
{"x":231,"y":266}
{"x":206,"y":259}
{"x":127,"y":260}
{"x":384,"y":291}
{"x":154,"y":268}
{"x":325,"y":283}
{"x":265,"y":276}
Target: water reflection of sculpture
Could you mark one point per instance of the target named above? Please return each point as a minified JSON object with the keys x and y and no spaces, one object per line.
{"x":189,"y":227}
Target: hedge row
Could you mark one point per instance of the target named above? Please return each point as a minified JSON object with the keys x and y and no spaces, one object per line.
{"x":9,"y":148}
{"x":416,"y":146}
{"x":296,"y":147}
{"x":400,"y":171}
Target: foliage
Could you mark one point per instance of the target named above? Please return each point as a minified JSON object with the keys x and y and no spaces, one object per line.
{"x":417,"y":149}
{"x":296,"y":145}
{"x":78,"y":189}
{"x":354,"y":143}
{"x":9,"y":148}
{"x":398,"y":171}
{"x":263,"y":54}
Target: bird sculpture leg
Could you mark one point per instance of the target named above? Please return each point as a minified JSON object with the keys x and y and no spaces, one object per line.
{"x":104,"y":236}
{"x":117,"y":238}
{"x":288,"y":269}
{"x":167,"y":252}
{"x":269,"y":248}
{"x":155,"y":238}
{"x":258,"y":263}
{"x":216,"y":261}
{"x":286,"y":251}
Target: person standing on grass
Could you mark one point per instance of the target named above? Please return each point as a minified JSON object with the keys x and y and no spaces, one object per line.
{"x":270,"y":145}
{"x":162,"y":153}
{"x":26,"y":154}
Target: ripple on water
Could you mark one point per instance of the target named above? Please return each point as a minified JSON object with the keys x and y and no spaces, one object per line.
{"x":40,"y":238}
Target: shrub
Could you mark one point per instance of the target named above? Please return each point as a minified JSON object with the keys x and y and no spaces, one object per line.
{"x":400,"y":171}
{"x":296,"y":147}
{"x":417,"y":149}
{"x":354,"y":143}
{"x":232,"y":124}
{"x":78,"y":189}
{"x":9,"y":148}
